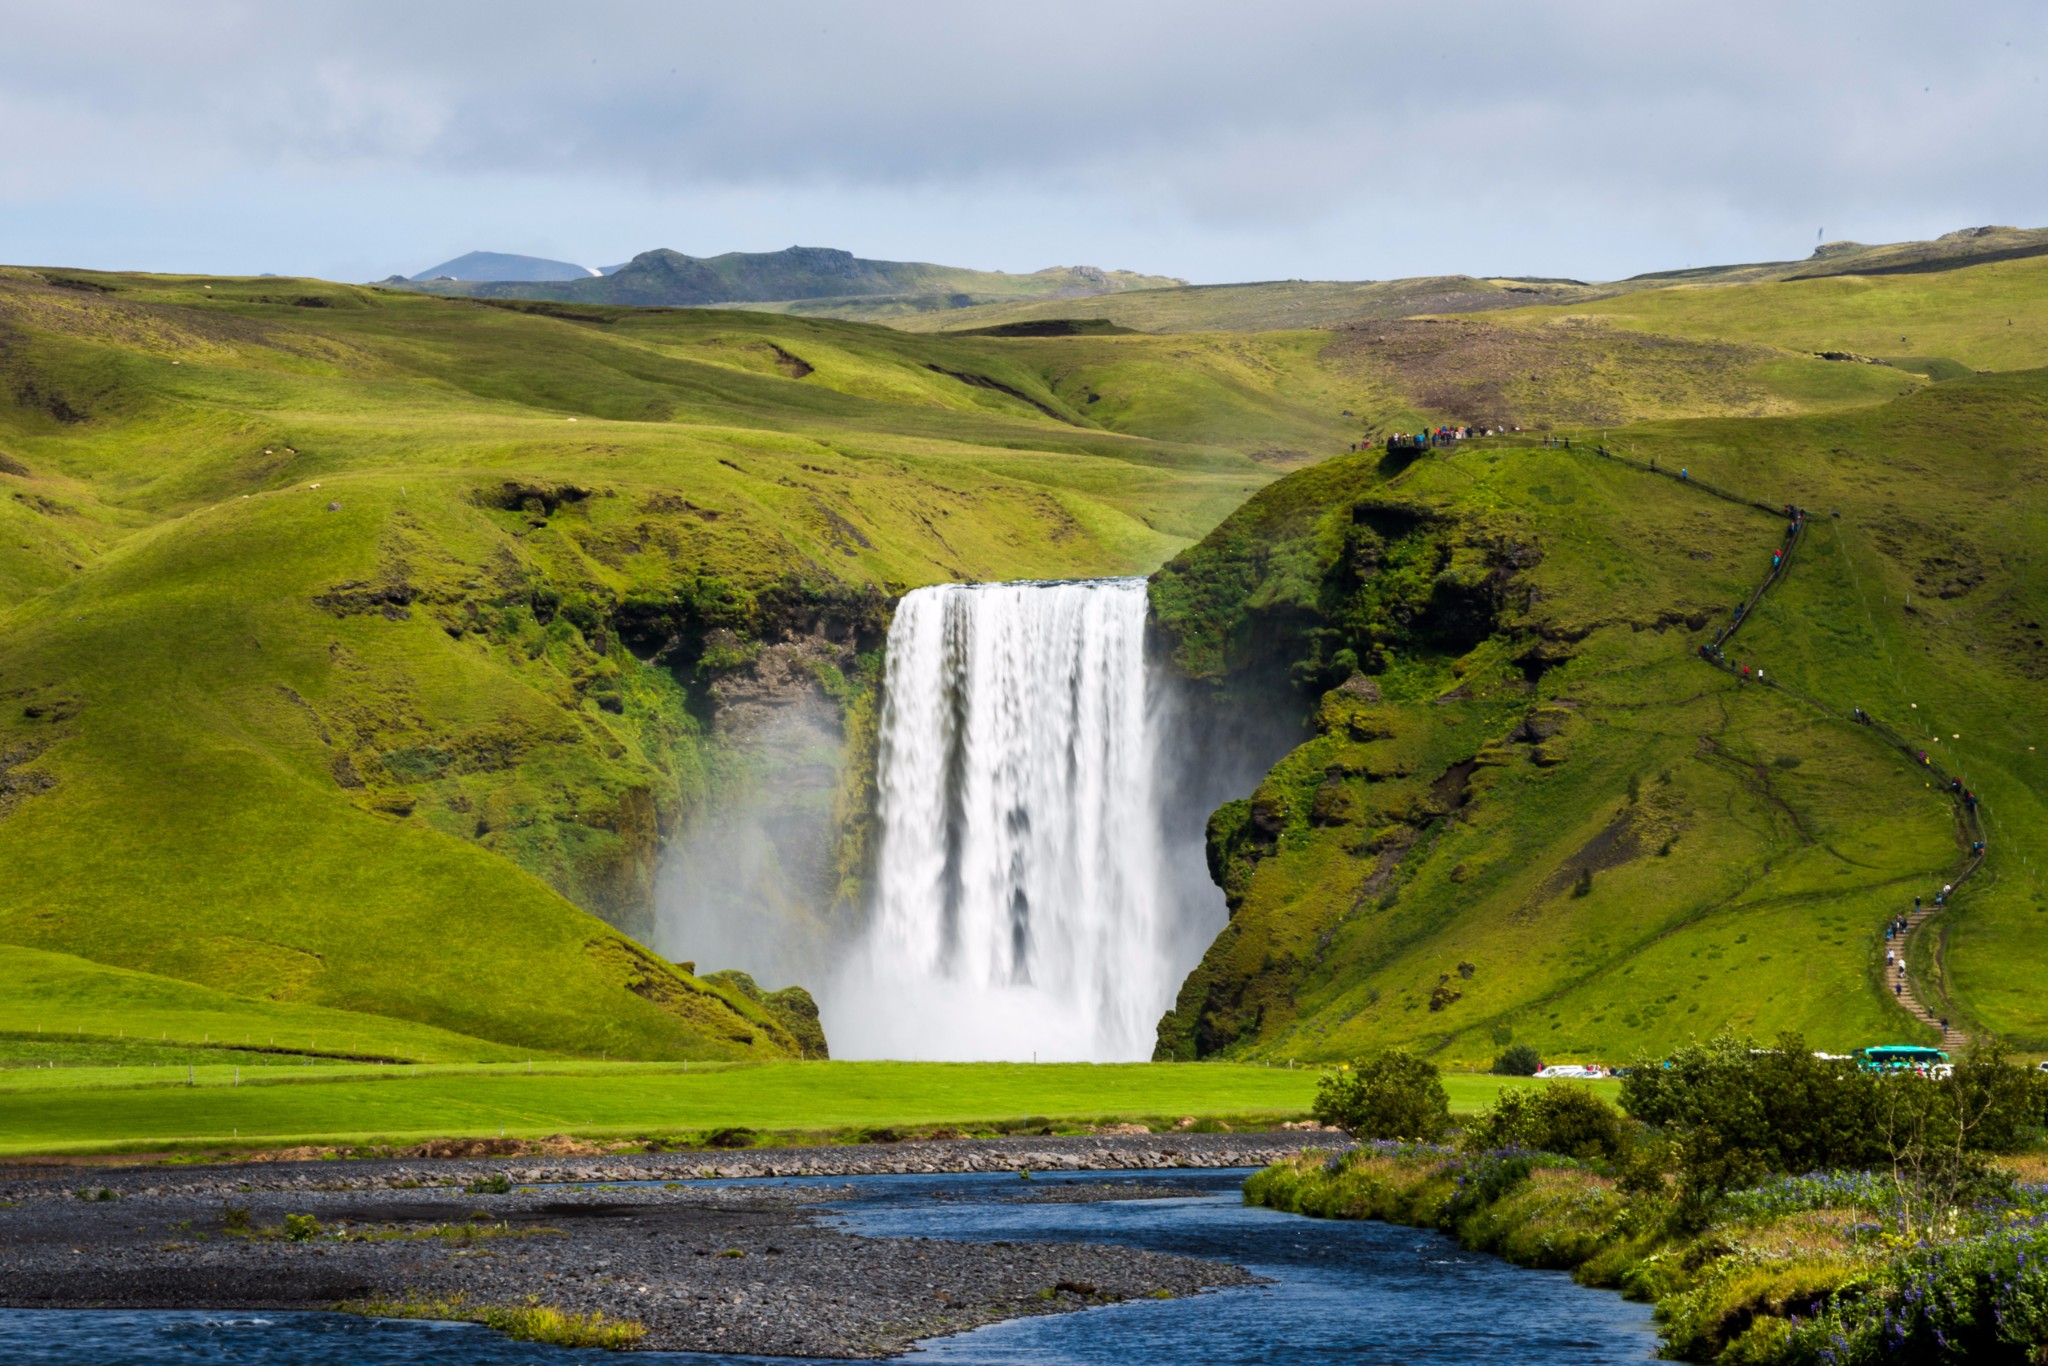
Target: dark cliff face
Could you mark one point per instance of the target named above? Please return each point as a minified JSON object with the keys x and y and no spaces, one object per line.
{"x":1310,"y":605}
{"x":1326,"y":574}
{"x":750,"y":668}
{"x":658,"y":699}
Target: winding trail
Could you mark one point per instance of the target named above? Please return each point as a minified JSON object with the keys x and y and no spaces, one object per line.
{"x":1969,"y":819}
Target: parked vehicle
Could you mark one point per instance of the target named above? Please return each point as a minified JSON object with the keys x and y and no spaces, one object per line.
{"x":1579,"y":1071}
{"x":1901,"y":1057}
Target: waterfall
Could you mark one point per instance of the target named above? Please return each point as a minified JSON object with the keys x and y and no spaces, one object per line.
{"x":1019,"y":899}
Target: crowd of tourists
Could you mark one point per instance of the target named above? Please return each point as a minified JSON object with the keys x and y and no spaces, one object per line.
{"x":1435,"y":437}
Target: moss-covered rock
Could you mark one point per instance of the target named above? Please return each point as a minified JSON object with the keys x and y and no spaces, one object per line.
{"x":791,"y":1007}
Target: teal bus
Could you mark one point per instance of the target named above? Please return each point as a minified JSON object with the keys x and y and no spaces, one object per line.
{"x":1900,"y":1057}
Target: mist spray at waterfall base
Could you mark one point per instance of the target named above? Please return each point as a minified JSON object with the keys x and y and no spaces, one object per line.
{"x":1022,"y":900}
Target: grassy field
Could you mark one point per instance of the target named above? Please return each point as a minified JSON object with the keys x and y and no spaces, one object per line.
{"x":1986,"y":317}
{"x":114,"y":1109}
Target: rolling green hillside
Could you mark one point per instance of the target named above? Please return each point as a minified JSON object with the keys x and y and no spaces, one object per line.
{"x":1530,"y":813}
{"x":361,"y":650}
{"x":1264,"y":306}
{"x":1950,"y":322}
{"x":1281,"y":304}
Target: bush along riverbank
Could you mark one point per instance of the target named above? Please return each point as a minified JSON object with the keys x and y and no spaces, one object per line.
{"x":1777,"y":1207}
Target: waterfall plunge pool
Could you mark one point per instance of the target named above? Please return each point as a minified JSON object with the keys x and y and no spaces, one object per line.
{"x":1339,"y":1291}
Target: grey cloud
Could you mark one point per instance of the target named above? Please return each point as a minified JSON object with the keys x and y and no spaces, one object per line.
{"x":1232,"y":119}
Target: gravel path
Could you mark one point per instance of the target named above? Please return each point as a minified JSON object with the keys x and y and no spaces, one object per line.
{"x":732,"y":1269}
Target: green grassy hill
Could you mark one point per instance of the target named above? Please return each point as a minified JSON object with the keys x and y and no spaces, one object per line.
{"x":1530,"y":813}
{"x":360,"y":650}
{"x":1945,"y":323}
{"x":1265,"y":306}
{"x":1282,"y":304}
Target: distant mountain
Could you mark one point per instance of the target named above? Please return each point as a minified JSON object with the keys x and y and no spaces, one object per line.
{"x":797,"y":273}
{"x":498,"y":265}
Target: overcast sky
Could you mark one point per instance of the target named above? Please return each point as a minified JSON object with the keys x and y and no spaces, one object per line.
{"x":1341,"y":140}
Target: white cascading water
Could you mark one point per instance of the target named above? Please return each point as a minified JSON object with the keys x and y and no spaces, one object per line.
{"x":1019,"y":905}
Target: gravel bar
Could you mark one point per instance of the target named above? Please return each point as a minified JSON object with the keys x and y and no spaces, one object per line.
{"x":705,"y":1268}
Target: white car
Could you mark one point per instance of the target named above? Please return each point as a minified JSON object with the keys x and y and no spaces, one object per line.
{"x":1573,"y":1070}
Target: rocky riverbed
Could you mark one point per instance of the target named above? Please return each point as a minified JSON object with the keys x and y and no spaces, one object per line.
{"x":703,"y":1267}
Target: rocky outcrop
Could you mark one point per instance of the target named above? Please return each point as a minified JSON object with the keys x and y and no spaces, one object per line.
{"x":792,"y":1008}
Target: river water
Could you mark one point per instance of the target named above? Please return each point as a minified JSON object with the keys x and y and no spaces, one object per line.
{"x":1339,"y":1292}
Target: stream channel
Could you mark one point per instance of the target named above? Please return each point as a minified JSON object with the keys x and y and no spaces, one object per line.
{"x":1339,"y":1291}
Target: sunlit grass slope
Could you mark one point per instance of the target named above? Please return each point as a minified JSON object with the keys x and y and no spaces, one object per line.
{"x":63,"y":1010}
{"x":1545,"y":822}
{"x":1984,"y":317}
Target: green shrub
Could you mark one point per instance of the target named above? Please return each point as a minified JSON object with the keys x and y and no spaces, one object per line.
{"x":1564,"y":1119}
{"x":1389,"y":1094}
{"x":1736,"y":1113}
{"x":301,"y":1228}
{"x":236,"y":1219}
{"x":497,"y":1183}
{"x":1739,"y":1113}
{"x":1575,"y":1122}
{"x":2002,"y":1102}
{"x":1520,"y":1060}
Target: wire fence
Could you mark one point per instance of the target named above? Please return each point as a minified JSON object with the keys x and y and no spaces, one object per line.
{"x":1969,"y":815}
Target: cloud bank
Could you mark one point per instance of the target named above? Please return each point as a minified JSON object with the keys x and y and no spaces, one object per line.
{"x":351,"y":138}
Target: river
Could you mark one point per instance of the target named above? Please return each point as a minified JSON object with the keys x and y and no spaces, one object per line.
{"x":1355,"y":1292}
